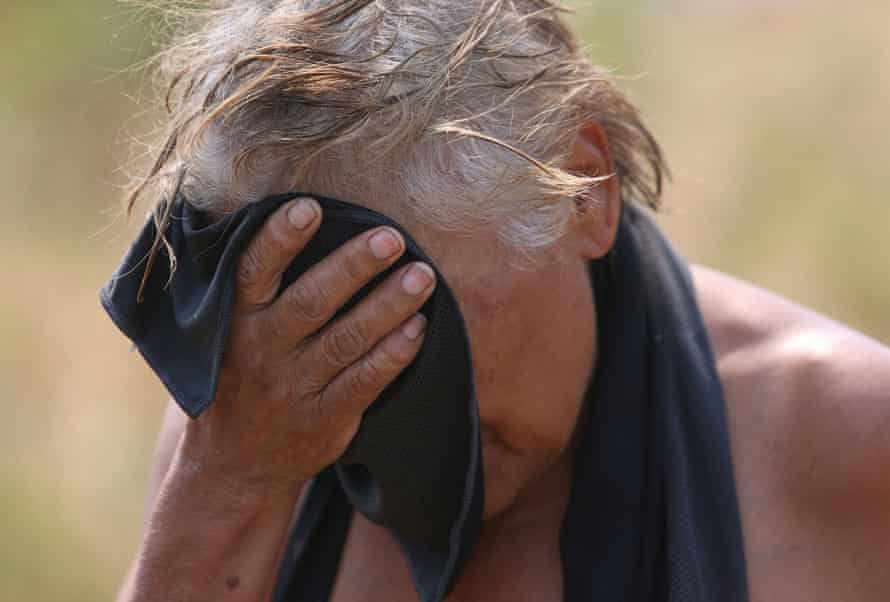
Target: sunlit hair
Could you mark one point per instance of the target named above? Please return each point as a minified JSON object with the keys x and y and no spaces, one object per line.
{"x":453,"y":113}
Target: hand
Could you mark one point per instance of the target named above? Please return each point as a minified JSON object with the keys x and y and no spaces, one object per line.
{"x":293,"y":384}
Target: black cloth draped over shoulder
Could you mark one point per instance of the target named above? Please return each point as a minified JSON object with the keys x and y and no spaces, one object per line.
{"x":653,"y":513}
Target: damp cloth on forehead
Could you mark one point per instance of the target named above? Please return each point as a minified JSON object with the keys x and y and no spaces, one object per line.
{"x":414,"y":466}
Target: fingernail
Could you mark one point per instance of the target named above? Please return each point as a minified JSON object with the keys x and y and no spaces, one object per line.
{"x":417,"y":279}
{"x":414,"y":327}
{"x":302,"y":213}
{"x":384,"y":244}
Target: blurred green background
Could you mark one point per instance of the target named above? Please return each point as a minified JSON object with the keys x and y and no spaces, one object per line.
{"x":773,"y":115}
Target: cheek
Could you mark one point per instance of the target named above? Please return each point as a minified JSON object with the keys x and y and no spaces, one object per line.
{"x":531,"y":371}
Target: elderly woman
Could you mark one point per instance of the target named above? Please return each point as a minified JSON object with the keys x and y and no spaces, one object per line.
{"x":644,"y":436}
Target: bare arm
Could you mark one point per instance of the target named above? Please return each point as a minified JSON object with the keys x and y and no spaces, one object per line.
{"x":203,"y":540}
{"x":292,"y":390}
{"x":171,"y":431}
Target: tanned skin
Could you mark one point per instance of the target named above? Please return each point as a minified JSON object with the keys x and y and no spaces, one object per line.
{"x":808,"y":404}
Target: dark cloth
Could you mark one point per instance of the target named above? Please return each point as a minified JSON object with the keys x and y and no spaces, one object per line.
{"x":653,"y":514}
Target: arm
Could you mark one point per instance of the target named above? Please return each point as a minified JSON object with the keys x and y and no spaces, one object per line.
{"x":269,"y":522}
{"x":292,"y":391}
{"x":172,"y":428}
{"x":203,"y":540}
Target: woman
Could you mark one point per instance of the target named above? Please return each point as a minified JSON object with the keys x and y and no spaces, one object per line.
{"x":513,"y":162}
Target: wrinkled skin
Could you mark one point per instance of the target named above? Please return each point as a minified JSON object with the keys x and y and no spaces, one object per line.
{"x":807,"y":401}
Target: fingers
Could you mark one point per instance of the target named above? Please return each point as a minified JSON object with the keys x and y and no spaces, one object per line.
{"x":352,"y":336}
{"x":310,"y":301}
{"x":273,"y":248}
{"x":354,"y":389}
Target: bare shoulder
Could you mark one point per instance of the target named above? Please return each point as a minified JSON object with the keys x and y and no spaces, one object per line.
{"x":746,"y":322}
{"x":808,"y":402}
{"x":739,"y":314}
{"x":810,"y":391}
{"x":804,"y":386}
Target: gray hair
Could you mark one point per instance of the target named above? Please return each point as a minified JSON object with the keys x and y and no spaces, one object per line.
{"x":453,"y":113}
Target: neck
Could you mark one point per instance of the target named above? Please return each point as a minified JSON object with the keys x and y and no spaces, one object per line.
{"x":540,"y":506}
{"x":517,"y":555}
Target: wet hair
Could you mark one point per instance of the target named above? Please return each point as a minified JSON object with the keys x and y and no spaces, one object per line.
{"x":452,"y":113}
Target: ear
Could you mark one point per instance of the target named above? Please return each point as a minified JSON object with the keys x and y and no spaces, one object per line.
{"x":595,"y":221}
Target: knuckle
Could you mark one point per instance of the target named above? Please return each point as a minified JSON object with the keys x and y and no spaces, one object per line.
{"x":343,"y":345}
{"x":281,"y":234}
{"x":312,"y":386}
{"x":353,"y":267}
{"x":276,"y":228}
{"x":390,"y":303}
{"x":370,"y":379}
{"x":252,"y":359}
{"x":251,"y":267}
{"x":254,"y":374}
{"x":308,"y":301}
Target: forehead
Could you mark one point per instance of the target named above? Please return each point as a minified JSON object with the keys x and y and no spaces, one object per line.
{"x":473,"y":259}
{"x":486,"y":275}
